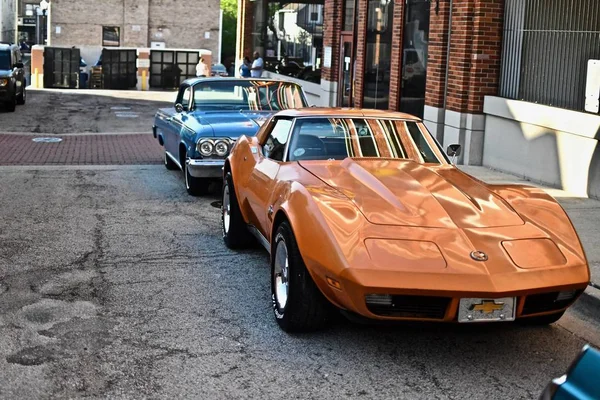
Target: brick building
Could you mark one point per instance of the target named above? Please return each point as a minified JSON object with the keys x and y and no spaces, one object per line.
{"x":91,"y":25}
{"x":500,"y":77}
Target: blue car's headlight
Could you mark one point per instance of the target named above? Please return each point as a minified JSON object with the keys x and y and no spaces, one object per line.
{"x":219,"y":147}
{"x":222,"y":148}
{"x":205,"y":147}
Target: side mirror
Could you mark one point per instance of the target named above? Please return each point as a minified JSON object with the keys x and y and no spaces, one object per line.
{"x":19,"y":65}
{"x":454,"y":151}
{"x":179,"y":108}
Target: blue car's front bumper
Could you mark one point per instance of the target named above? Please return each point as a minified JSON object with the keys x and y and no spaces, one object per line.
{"x":205,"y":168}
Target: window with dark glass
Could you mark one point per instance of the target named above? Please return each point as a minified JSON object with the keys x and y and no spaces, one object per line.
{"x":111,"y":36}
{"x":275,"y":146}
{"x":378,"y":54}
{"x":348,"y":16}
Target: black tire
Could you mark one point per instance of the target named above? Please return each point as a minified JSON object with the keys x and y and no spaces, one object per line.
{"x":236,"y":234}
{"x":543,"y":319}
{"x":11,"y":106}
{"x":22,"y":97}
{"x":194,"y":186}
{"x":306,"y":309}
{"x":170,"y":164}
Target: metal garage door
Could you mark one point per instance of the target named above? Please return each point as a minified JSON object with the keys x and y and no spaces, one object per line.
{"x":119,"y":69}
{"x":169,"y":68}
{"x":61,"y":67}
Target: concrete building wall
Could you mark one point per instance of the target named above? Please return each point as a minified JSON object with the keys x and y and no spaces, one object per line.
{"x":8,"y":14}
{"x":550,"y":145}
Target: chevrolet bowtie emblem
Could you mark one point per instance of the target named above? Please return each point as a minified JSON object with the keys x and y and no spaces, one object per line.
{"x":487,"y":306}
{"x":479,"y":256}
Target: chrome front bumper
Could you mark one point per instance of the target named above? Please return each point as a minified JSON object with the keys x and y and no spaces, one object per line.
{"x":205,"y":168}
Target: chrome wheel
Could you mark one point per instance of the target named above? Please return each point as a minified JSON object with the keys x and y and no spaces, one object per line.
{"x":226,"y":209}
{"x":281,"y":275}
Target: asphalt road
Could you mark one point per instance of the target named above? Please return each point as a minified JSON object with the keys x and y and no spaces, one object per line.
{"x":115,"y":283}
{"x":54,"y":111}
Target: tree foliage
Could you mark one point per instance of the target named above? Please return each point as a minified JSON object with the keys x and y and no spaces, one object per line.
{"x":229,"y":8}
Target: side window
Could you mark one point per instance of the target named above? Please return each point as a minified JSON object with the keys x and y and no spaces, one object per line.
{"x":184,"y":97}
{"x":274,"y":148}
{"x":187,"y":96}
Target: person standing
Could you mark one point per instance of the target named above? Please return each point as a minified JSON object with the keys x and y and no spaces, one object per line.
{"x":201,"y":68}
{"x":245,"y":67}
{"x":257,"y":66}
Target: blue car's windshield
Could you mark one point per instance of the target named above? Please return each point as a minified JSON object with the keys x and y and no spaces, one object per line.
{"x":247,"y":94}
{"x":4,"y":60}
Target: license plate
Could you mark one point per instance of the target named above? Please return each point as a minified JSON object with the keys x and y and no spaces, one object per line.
{"x":487,"y":310}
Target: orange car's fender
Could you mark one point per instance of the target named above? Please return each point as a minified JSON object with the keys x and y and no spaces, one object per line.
{"x":538,"y":207}
{"x":325,"y":236}
{"x":240,"y":163}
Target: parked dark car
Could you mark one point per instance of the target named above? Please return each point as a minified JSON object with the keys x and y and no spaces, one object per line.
{"x":218,"y":70}
{"x":12,"y":77}
{"x":209,"y":115}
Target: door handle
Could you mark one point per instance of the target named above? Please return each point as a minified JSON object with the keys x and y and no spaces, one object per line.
{"x":169,"y":119}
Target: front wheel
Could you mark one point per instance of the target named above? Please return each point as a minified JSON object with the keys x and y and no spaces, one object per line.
{"x":298,"y":304}
{"x":194,"y":186}
{"x":11,"y":105}
{"x":22,"y":97}
{"x":235,"y":232}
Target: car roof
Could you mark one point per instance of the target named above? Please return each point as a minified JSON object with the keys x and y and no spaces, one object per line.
{"x":345,"y":112}
{"x":193,"y":81}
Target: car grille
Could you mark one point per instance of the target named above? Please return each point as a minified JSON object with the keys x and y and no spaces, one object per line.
{"x":544,"y":302}
{"x":411,"y":307}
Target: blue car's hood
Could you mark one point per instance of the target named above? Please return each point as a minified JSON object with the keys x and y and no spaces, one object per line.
{"x":228,"y":123}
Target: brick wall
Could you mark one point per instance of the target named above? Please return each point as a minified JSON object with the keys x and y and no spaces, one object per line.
{"x":361,"y":32}
{"x":178,"y":24}
{"x":332,"y":26}
{"x":436,"y":62}
{"x":396,"y":60}
{"x":475,"y":50}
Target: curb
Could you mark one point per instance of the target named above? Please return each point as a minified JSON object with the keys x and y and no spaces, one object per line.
{"x":588,"y":304}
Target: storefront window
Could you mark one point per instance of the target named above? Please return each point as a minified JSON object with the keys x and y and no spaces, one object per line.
{"x":290,"y":38}
{"x":378,"y":54}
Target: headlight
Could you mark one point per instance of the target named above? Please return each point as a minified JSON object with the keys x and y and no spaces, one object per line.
{"x":3,"y":82}
{"x":221,"y":148}
{"x":205,"y":147}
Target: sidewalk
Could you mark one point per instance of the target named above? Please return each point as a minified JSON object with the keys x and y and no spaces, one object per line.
{"x":584,"y":212}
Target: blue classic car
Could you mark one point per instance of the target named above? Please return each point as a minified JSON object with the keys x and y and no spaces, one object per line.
{"x":209,"y":115}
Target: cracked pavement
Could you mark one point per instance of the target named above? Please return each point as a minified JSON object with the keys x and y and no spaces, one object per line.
{"x":114,"y":283}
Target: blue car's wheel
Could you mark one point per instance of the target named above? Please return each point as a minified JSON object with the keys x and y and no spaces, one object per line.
{"x":170,"y":164}
{"x":194,"y":186}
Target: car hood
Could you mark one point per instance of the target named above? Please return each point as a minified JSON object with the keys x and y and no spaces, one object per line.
{"x":229,"y":123}
{"x":406,"y":193}
{"x":5,"y":73}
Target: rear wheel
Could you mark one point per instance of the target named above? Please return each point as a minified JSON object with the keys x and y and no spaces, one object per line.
{"x":22,"y":97}
{"x":170,"y":164}
{"x":543,"y":319}
{"x":194,"y":186}
{"x":298,"y":303}
{"x":235,"y":232}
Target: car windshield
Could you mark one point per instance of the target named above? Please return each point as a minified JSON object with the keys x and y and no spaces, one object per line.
{"x":4,"y":59}
{"x":247,"y":94}
{"x":338,"y":138}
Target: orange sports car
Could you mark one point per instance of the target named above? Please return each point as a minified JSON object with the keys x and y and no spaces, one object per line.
{"x":362,"y":210}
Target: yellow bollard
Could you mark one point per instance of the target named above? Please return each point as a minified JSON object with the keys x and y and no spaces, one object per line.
{"x":37,"y":79}
{"x":143,"y":80}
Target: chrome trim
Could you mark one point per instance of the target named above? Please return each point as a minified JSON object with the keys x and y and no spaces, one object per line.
{"x":176,"y":161}
{"x":261,"y":239}
{"x":205,"y":168}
